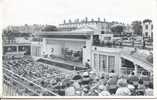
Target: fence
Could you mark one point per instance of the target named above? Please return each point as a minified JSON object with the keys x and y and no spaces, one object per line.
{"x":12,"y":80}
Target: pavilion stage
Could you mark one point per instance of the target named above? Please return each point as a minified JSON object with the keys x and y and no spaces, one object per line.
{"x":61,"y":64}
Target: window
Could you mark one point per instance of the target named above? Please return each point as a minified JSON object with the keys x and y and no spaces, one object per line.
{"x":146,"y":27}
{"x":151,"y":26}
{"x":111,"y":63}
{"x":103,"y":63}
{"x":146,"y":34}
{"x":96,"y":40}
{"x":102,"y":27}
{"x":152,"y":35}
{"x":100,"y":62}
{"x":107,"y":38}
{"x":102,"y":32}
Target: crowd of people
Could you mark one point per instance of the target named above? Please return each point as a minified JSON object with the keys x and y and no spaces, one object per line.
{"x":81,"y":83}
{"x":89,"y":84}
{"x":38,"y":73}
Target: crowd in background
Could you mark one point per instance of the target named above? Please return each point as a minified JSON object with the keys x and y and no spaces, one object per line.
{"x":84,"y":83}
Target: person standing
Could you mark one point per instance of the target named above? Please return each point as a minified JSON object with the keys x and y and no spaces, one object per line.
{"x":141,"y":88}
{"x":145,"y":78}
{"x":88,"y":64}
{"x":134,"y":79}
{"x":112,"y":82}
{"x":70,"y":90}
{"x":149,"y":90}
{"x":122,"y":90}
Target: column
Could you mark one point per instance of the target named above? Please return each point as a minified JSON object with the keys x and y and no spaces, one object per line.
{"x":93,"y":61}
{"x":135,"y":69}
{"x":118,"y":64}
{"x":107,"y":64}
{"x":87,"y":51}
{"x":97,"y":61}
{"x":17,"y":49}
{"x":91,"y":42}
{"x":44,"y":45}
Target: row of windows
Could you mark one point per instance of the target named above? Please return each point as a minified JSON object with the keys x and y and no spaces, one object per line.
{"x":104,"y":63}
{"x":77,"y":24}
{"x":146,"y":34}
{"x":146,"y":27}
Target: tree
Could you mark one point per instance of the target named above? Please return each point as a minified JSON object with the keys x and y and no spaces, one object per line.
{"x":117,"y":29}
{"x":7,"y":34}
{"x":50,"y":28}
{"x":137,"y":27}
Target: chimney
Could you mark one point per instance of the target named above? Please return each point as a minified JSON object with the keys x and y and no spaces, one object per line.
{"x":86,"y":19}
{"x":77,"y":20}
{"x":64,"y":21}
{"x":104,"y":20}
{"x":69,"y":20}
{"x":98,"y":19}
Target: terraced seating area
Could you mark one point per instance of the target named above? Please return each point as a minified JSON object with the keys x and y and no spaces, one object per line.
{"x":32,"y":75}
{"x":61,"y":65}
{"x":43,"y":78}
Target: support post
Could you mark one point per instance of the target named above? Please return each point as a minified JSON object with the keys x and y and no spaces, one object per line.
{"x":136,"y":69}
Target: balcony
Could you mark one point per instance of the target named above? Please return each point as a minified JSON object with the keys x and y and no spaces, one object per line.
{"x":120,"y":44}
{"x":16,"y":41}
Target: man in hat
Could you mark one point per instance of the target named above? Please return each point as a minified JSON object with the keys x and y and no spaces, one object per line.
{"x":112,"y":82}
{"x":134,"y":79}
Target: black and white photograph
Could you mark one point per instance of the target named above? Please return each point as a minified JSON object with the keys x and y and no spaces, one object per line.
{"x":78,"y":48}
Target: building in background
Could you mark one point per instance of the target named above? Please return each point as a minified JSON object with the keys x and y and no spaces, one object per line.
{"x":102,"y":26}
{"x":83,"y":41}
{"x":147,"y":29}
{"x":35,"y":60}
{"x":77,"y":47}
{"x":128,"y":29}
{"x":25,"y":28}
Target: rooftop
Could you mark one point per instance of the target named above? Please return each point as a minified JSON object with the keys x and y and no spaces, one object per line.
{"x":85,"y":32}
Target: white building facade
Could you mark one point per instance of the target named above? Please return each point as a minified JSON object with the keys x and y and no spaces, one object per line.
{"x":101,"y":59}
{"x":147,"y":29}
{"x":102,"y":26}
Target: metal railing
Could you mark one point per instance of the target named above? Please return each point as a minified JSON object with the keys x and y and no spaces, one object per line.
{"x":124,"y":44}
{"x":23,"y":81}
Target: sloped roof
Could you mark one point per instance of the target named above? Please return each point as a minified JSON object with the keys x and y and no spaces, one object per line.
{"x":85,"y":32}
{"x":141,"y":59}
{"x":117,"y":25}
{"x":85,"y":28}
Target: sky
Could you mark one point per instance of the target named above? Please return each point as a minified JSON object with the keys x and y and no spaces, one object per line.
{"x":20,"y":12}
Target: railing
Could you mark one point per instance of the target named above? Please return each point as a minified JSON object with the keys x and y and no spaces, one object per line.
{"x":124,"y":44}
{"x":19,"y":84}
{"x":126,"y":70}
{"x":139,"y":57}
{"x":9,"y":41}
{"x":25,"y":83}
{"x":60,"y":64}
